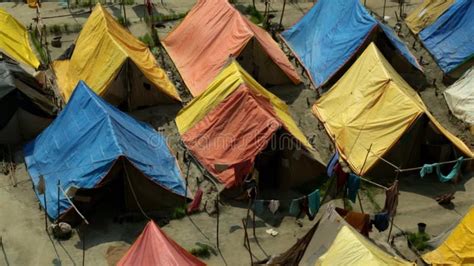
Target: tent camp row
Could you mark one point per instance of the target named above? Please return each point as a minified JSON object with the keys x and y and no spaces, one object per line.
{"x":446,"y":29}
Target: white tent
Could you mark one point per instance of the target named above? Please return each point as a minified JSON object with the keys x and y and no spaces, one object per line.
{"x":460,"y":98}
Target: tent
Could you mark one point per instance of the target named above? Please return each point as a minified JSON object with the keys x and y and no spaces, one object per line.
{"x":228,"y":126}
{"x":14,"y":40}
{"x":332,"y":241}
{"x":426,"y":13}
{"x":24,"y":109}
{"x":458,"y":248}
{"x":460,"y":98}
{"x":88,"y":146}
{"x":115,"y":64}
{"x":326,"y":45}
{"x":372,"y":113}
{"x":154,"y":247}
{"x":449,"y":39}
{"x":212,"y":32}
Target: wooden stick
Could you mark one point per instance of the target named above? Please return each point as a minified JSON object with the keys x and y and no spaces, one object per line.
{"x":282,"y":13}
{"x":360,"y":202}
{"x":217,"y":224}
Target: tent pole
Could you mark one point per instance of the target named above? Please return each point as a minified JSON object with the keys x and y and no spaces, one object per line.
{"x":384,"y":5}
{"x":45,"y":211}
{"x":84,"y":247}
{"x":59,"y":184}
{"x":282,"y":13}
{"x":217,"y":224}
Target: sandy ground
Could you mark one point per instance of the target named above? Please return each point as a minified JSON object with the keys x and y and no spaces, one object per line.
{"x":22,"y":225}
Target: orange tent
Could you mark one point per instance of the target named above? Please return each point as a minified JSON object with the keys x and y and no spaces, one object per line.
{"x":234,"y":120}
{"x":212,"y":32}
{"x":153,"y":247}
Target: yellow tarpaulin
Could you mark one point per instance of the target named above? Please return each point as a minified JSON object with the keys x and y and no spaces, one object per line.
{"x":351,"y":248}
{"x":14,"y":40}
{"x":426,"y":13}
{"x":458,"y":248}
{"x":102,"y":47}
{"x":230,"y":78}
{"x":372,"y":106}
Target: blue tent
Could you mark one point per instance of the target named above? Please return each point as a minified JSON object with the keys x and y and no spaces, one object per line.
{"x":450,"y":38}
{"x":331,"y":33}
{"x":81,"y":146}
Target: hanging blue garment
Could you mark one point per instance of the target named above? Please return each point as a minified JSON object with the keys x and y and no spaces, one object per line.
{"x":295,"y":207}
{"x":454,"y":172}
{"x":353,"y":184}
{"x":381,"y":221}
{"x":332,"y":164}
{"x":427,"y":169}
{"x":258,"y":206}
{"x":314,"y":200}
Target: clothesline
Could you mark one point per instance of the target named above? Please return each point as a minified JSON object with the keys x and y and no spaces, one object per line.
{"x":397,"y":169}
{"x":441,"y":163}
{"x":373,"y":183}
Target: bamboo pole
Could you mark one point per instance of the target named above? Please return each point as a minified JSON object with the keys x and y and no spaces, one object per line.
{"x":282,"y":13}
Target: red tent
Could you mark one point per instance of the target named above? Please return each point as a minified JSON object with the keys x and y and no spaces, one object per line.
{"x":153,"y":247}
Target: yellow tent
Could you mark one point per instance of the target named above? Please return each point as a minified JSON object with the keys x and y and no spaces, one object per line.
{"x":426,"y":13}
{"x":351,"y":248}
{"x":458,"y":248}
{"x":14,"y":40}
{"x":115,"y":64}
{"x":370,"y":108}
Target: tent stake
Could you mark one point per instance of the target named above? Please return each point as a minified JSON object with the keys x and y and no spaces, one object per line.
{"x":384,"y":5}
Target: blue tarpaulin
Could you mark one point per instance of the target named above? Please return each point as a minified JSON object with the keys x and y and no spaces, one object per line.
{"x":331,"y":33}
{"x":80,"y":147}
{"x":450,"y":38}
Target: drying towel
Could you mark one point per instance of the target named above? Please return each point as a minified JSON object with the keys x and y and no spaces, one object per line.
{"x":353,"y":184}
{"x":332,"y":164}
{"x":314,"y":202}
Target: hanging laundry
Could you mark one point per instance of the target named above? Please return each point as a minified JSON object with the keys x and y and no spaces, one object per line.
{"x":314,"y":201}
{"x":304,"y":207}
{"x":353,"y":185}
{"x":194,"y":205}
{"x":454,"y":172}
{"x":381,"y":221}
{"x":273,"y":206}
{"x":341,"y":177}
{"x":391,"y":199}
{"x":428,"y":169}
{"x":295,"y":207}
{"x":332,"y":163}
{"x":258,"y":206}
{"x":360,"y":221}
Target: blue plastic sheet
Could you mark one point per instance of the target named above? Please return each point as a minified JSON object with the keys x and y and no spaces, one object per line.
{"x":80,"y":147}
{"x":331,"y":33}
{"x":450,"y":38}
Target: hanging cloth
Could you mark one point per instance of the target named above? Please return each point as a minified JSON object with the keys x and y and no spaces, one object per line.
{"x":452,"y":174}
{"x":360,"y":221}
{"x":341,"y":177}
{"x":332,"y":163}
{"x":295,"y":207}
{"x":194,"y":205}
{"x":381,"y":221}
{"x":391,"y":199}
{"x":273,"y":206}
{"x":314,"y":200}
{"x":353,"y":184}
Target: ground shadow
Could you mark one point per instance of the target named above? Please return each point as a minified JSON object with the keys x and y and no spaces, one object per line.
{"x":287,"y":92}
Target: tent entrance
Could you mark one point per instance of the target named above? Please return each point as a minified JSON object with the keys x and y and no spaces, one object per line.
{"x":131,"y":90}
{"x":286,"y":169}
{"x":421,"y":144}
{"x":255,"y":60}
{"x":115,"y":196}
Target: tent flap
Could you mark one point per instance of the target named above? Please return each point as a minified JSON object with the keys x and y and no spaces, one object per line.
{"x":14,"y":40}
{"x":154,"y":247}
